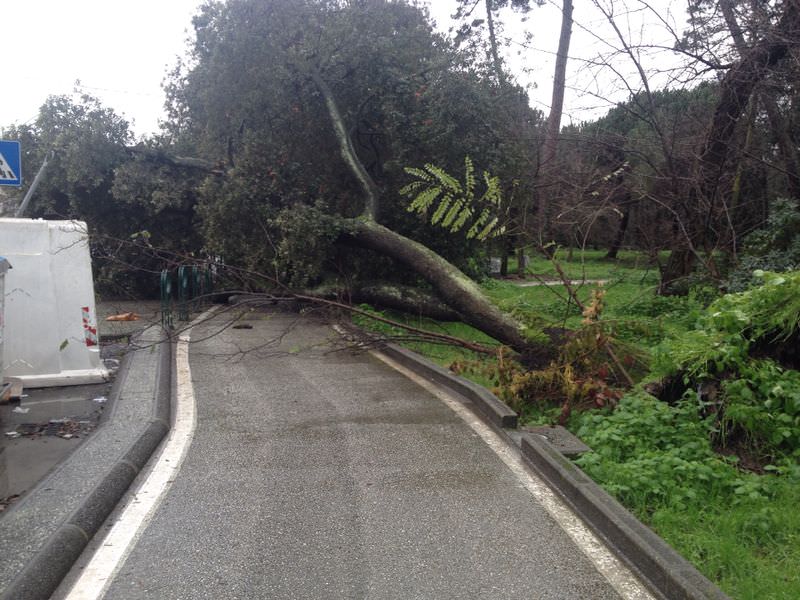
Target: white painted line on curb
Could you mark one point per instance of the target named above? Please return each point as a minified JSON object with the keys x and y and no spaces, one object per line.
{"x":143,"y":503}
{"x":618,"y":575}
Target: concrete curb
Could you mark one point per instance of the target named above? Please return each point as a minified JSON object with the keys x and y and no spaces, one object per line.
{"x":42,"y":575}
{"x":491,"y":408}
{"x":666,"y":573}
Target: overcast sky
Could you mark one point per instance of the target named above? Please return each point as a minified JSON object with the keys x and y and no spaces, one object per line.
{"x":120,"y":51}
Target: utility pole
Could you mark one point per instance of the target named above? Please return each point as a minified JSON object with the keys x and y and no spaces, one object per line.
{"x":26,"y":200}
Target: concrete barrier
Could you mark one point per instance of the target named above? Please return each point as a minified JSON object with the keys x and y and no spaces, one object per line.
{"x":50,"y":319}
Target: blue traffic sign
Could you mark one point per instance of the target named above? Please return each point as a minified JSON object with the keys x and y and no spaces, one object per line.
{"x":10,"y":163}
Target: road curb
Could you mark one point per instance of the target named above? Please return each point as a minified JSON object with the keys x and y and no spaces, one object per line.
{"x":491,"y":408}
{"x":665,"y":572}
{"x":41,"y":576}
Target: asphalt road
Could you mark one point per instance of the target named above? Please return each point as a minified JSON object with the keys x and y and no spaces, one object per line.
{"x":319,"y":474}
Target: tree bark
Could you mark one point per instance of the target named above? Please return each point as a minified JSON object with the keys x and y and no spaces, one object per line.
{"x":187,"y":162}
{"x":620,"y":235}
{"x":346,"y":148}
{"x":503,"y":262}
{"x":559,"y":83}
{"x":390,"y":295}
{"x":498,"y":68}
{"x":454,"y":287}
{"x":736,"y":88}
{"x":553,"y":127}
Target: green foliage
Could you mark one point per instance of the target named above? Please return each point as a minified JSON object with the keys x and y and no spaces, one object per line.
{"x":724,"y":334}
{"x":405,"y":94}
{"x":687,"y":308}
{"x":775,"y":247}
{"x":685,"y":467}
{"x":648,"y":453}
{"x":86,"y":142}
{"x":764,"y":402}
{"x":782,"y":230}
{"x":458,"y":206}
{"x":739,"y":528}
{"x":756,"y":399}
{"x":92,"y":176}
{"x":307,"y":235}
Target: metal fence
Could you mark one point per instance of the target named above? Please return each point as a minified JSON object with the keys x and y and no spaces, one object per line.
{"x":183,"y":291}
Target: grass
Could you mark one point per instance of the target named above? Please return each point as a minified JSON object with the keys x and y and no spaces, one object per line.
{"x":744,"y":534}
{"x":587,"y":264}
{"x":751,"y":550}
{"x":442,"y":354}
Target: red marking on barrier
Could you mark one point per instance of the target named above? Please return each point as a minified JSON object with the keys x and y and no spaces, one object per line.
{"x":89,"y":332}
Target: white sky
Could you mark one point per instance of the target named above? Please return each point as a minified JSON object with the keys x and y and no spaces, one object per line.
{"x":120,"y":50}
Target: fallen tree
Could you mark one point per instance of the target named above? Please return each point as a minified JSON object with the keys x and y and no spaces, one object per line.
{"x":455,"y":288}
{"x":291,"y":151}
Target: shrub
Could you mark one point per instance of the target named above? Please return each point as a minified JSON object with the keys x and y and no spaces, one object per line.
{"x":776,"y":247}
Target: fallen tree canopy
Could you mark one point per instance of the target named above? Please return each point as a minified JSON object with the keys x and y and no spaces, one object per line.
{"x":455,"y":288}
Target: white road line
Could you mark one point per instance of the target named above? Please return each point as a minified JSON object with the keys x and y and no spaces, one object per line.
{"x":617,"y":574}
{"x":25,"y":402}
{"x":142,"y":504}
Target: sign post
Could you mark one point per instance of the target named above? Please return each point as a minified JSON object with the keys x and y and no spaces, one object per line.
{"x":10,"y":163}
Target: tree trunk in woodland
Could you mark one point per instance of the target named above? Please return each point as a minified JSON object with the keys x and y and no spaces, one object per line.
{"x":735,"y":209}
{"x":778,"y":124}
{"x":521,"y":266}
{"x":620,"y":236}
{"x":736,"y":88}
{"x":559,"y":83}
{"x":503,"y":262}
{"x":498,"y":68}
{"x":553,"y":128}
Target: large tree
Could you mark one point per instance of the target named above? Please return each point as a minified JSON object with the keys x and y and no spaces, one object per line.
{"x":315,"y":108}
{"x":94,"y":173}
{"x":708,"y":194}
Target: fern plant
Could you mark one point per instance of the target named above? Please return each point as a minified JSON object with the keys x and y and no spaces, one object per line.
{"x":454,"y":205}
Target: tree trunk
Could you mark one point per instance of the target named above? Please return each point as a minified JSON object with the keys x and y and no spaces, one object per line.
{"x":456,"y":289}
{"x":620,"y":236}
{"x":780,"y":129}
{"x":548,"y":152}
{"x":389,"y":295}
{"x":498,"y":68}
{"x":503,"y":262}
{"x":187,"y":162}
{"x":559,"y":83}
{"x":736,"y":88}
